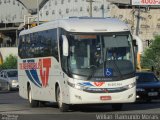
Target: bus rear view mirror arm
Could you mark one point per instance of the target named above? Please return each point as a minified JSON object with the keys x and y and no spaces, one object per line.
{"x":65,"y":45}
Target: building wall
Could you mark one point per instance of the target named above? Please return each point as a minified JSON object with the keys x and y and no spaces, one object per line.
{"x":12,"y":11}
{"x":56,"y":9}
{"x":149,"y":21}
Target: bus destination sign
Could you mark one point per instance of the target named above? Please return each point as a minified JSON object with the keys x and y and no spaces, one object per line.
{"x":145,"y":2}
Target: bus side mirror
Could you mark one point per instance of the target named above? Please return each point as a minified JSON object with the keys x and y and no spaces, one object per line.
{"x":134,"y":43}
{"x":65,"y":45}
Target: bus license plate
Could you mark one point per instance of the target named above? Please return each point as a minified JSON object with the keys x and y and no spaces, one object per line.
{"x":152,"y":93}
{"x":105,"y":97}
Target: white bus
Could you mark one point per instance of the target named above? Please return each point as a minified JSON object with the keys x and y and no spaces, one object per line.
{"x":77,"y":61}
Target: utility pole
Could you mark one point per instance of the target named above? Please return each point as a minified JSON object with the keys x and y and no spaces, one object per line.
{"x":38,"y":12}
{"x":133,"y":9}
{"x":90,"y":5}
{"x":102,"y":7}
{"x":138,"y":22}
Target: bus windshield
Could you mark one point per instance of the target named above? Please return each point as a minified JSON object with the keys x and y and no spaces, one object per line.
{"x":101,"y":55}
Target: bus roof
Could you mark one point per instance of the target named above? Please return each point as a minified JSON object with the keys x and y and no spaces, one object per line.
{"x":92,"y":25}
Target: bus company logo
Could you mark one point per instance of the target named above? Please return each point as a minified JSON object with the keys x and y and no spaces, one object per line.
{"x":37,"y":72}
{"x":98,"y":84}
{"x":90,"y":84}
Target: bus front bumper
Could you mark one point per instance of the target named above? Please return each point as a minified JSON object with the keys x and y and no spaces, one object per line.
{"x":81,"y":97}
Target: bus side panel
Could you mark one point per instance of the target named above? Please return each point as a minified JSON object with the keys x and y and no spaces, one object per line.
{"x":22,"y":79}
{"x":42,"y":79}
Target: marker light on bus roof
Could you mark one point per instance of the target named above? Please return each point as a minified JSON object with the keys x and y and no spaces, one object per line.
{"x":100,"y":29}
{"x":125,"y":29}
{"x":87,"y":36}
{"x":72,"y":30}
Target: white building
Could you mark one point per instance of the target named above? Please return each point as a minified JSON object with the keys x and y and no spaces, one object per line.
{"x":12,"y":11}
{"x":56,"y":9}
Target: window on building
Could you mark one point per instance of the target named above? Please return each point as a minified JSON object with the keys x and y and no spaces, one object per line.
{"x":49,"y":2}
{"x":95,"y":8}
{"x":45,"y":7}
{"x":41,"y":14}
{"x":47,"y":13}
{"x":62,"y":1}
{"x":67,"y":10}
{"x":81,"y":9}
{"x":87,"y":9}
{"x":13,"y":2}
{"x":55,"y":2}
{"x":53,"y":12}
{"x":60,"y":12}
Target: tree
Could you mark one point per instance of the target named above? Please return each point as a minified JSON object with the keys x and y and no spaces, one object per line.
{"x":151,"y":57}
{"x":9,"y":63}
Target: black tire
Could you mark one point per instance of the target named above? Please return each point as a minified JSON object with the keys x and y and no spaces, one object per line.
{"x":42,"y":103}
{"x":117,"y":106}
{"x":33,"y":103}
{"x":148,"y":100}
{"x":62,"y":106}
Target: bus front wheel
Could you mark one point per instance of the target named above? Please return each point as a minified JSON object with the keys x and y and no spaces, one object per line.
{"x":33,"y":103}
{"x":62,"y":106}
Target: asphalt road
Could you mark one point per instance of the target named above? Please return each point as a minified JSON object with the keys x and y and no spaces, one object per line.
{"x":13,"y":107}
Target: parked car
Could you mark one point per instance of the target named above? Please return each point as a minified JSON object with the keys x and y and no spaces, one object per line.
{"x":148,"y":86}
{"x":9,"y":79}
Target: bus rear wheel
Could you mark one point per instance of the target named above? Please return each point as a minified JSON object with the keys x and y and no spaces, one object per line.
{"x":62,"y":106}
{"x":33,"y":103}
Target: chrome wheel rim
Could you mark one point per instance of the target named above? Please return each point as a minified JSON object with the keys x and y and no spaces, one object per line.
{"x":30,"y":96}
{"x":59,"y":99}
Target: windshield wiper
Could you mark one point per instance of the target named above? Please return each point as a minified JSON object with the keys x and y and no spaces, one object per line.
{"x":117,"y":68}
{"x":114,"y":63}
{"x":93,"y":72}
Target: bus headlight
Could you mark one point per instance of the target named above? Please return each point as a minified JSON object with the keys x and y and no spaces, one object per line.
{"x":80,"y":87}
{"x":77,"y":86}
{"x":130,"y":85}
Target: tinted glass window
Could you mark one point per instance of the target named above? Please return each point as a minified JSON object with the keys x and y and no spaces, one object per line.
{"x":39,"y":44}
{"x":146,"y":77}
{"x":43,"y":45}
{"x":12,"y":73}
{"x":94,"y":54}
{"x":63,"y":58}
{"x":21,"y":47}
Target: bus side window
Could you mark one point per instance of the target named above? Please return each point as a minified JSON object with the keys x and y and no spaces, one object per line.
{"x":27,"y":45}
{"x":54,"y":42}
{"x":20,"y":47}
